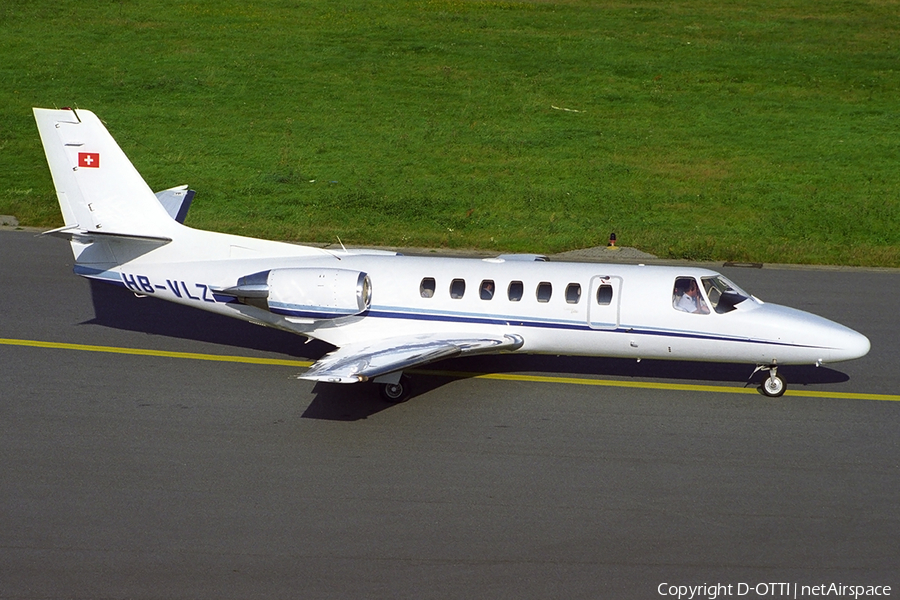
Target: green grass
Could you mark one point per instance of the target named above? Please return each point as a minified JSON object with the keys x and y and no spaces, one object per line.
{"x":765,"y":131}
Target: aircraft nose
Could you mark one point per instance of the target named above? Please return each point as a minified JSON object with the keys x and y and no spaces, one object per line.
{"x":851,"y":344}
{"x":821,"y":340}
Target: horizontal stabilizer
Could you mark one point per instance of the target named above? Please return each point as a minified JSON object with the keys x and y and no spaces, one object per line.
{"x":77,"y":234}
{"x":365,"y":361}
{"x":176,"y":201}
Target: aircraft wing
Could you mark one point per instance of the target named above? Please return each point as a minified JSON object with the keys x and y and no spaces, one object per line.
{"x":367,"y":360}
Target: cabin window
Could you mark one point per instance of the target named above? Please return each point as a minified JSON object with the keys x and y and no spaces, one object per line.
{"x":686,"y":297}
{"x":604,"y":295}
{"x":544,"y":291}
{"x":573,"y":293}
{"x":457,"y":288}
{"x":487,"y":289}
{"x":515,"y":291}
{"x":427,"y":287}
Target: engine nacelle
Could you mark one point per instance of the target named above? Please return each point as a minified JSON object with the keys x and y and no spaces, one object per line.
{"x":306,"y":293}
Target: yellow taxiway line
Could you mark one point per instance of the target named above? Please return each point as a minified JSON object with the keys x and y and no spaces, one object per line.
{"x":682,"y":387}
{"x":163,"y":353}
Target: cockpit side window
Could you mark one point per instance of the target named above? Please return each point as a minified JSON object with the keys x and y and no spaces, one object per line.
{"x":686,"y":296}
{"x":723,"y":295}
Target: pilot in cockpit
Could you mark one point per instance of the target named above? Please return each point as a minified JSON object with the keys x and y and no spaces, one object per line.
{"x":687,"y":296}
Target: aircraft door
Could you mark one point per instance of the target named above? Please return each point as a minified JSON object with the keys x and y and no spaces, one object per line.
{"x":604,"y":302}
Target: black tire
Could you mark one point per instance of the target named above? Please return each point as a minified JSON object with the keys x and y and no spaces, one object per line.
{"x":773,"y":387}
{"x":395,"y":392}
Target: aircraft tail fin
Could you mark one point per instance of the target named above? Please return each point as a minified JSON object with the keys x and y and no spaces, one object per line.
{"x":99,"y":190}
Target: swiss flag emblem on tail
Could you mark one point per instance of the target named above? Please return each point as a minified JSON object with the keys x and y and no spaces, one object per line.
{"x":89,"y":159}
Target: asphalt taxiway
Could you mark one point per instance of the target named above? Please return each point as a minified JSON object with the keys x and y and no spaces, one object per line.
{"x":149,"y":451}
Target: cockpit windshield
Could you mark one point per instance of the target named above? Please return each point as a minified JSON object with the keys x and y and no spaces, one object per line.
{"x":723,"y":295}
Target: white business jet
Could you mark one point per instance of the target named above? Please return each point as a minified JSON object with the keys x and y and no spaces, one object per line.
{"x":387,"y":313}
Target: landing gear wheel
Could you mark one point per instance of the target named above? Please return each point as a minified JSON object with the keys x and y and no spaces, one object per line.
{"x":773,"y":386}
{"x":396,"y":392}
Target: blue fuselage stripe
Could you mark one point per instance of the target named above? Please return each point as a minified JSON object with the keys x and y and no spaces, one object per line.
{"x":567,"y":326}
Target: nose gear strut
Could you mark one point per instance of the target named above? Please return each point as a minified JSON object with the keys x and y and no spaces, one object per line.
{"x":774,"y":385}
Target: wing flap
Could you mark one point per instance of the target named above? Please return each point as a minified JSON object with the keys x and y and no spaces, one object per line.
{"x":364,"y":361}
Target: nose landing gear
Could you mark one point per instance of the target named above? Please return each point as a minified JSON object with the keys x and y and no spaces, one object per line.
{"x":774,"y":385}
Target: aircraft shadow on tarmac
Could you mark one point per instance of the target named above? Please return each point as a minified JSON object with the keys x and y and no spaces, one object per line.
{"x":354,"y":402}
{"x":120,"y":309}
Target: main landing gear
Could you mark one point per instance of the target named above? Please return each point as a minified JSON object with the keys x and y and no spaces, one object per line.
{"x":394,"y":387}
{"x":774,"y":385}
